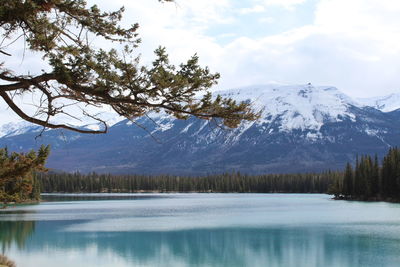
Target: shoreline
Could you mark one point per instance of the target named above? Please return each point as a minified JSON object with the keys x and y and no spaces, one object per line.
{"x":372,"y":199}
{"x":32,"y":202}
{"x":13,"y":204}
{"x":177,"y":192}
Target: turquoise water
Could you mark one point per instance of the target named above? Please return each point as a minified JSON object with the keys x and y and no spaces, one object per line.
{"x":201,"y":230}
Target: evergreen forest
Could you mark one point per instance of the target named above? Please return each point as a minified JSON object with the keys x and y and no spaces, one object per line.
{"x":23,"y":177}
{"x":368,"y":180}
{"x":225,"y":183}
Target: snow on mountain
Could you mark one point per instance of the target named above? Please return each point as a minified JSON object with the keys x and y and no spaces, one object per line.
{"x":383,"y":103}
{"x":303,"y":128}
{"x":292,"y":107}
{"x":15,"y":125}
{"x":296,"y":107}
{"x":16,"y":128}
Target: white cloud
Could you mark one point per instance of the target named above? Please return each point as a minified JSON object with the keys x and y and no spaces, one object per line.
{"x":181,"y":13}
{"x":267,"y":20}
{"x":288,"y":4}
{"x":251,"y":10}
{"x":353,"y":45}
{"x":375,"y":21}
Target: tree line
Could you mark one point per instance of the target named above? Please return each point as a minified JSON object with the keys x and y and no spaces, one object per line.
{"x":369,"y":180}
{"x":224,"y":183}
{"x":22,"y":178}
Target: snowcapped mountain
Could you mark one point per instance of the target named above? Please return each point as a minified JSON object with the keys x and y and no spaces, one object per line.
{"x":297,"y":107}
{"x":302,"y":128}
{"x":385,"y":103}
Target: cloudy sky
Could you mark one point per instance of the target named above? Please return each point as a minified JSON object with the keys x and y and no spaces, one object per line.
{"x":351,"y":44}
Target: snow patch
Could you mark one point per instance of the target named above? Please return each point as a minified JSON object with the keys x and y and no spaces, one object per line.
{"x":313,"y":136}
{"x":187,"y":128}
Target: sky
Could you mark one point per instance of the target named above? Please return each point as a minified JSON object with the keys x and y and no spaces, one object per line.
{"x":350,"y":44}
{"x":353,"y":45}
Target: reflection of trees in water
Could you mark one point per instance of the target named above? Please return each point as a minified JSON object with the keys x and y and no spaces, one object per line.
{"x":228,"y":247}
{"x":206,"y":247}
{"x":15,"y":232}
{"x":97,"y":197}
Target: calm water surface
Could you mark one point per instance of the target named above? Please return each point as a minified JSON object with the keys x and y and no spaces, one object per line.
{"x":201,"y":230}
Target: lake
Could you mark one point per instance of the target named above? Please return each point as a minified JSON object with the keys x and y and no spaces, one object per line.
{"x":201,"y":230}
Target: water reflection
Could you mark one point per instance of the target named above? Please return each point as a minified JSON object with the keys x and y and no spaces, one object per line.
{"x":203,"y":230}
{"x":207,"y":247}
{"x":15,"y":232}
{"x":100,"y":196}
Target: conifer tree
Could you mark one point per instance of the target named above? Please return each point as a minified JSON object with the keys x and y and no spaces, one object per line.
{"x":17,"y":182}
{"x":357,"y":178}
{"x":372,"y":182}
{"x":389,"y":173}
{"x":375,"y":183}
{"x":79,"y":72}
{"x":348,"y":182}
{"x":368,"y":174}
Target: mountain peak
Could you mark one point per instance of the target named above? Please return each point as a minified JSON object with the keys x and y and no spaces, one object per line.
{"x":295,"y":106}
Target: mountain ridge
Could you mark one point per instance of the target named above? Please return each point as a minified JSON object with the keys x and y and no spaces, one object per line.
{"x":303,"y":128}
{"x":263,"y":96}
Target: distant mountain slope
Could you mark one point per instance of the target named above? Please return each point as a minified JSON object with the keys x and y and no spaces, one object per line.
{"x":303,"y":128}
{"x":385,"y":103}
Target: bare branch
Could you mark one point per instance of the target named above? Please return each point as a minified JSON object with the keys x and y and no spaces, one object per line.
{"x":26,"y":117}
{"x":7,"y":54}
